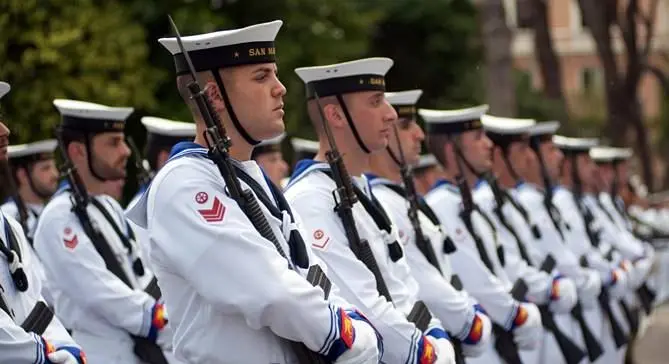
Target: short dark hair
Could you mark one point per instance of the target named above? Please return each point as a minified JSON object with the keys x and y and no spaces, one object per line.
{"x":435,"y":145}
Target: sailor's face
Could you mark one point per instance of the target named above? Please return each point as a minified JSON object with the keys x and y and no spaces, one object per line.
{"x":256,"y":95}
{"x":274,"y":166}
{"x":373,"y":117}
{"x":553,"y":158}
{"x":411,"y":136}
{"x":109,"y":154}
{"x":44,"y":175}
{"x":4,"y":140}
{"x":586,"y":169}
{"x":605,"y":171}
{"x":520,"y":155}
{"x":477,"y":149}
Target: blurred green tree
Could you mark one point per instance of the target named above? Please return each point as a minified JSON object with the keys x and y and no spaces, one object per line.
{"x":63,"y":49}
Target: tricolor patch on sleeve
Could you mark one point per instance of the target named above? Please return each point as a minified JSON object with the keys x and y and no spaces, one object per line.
{"x":476,"y":331}
{"x":346,"y":336}
{"x":521,"y":316}
{"x":426,"y":353}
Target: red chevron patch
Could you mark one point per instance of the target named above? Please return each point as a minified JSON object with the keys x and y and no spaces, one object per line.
{"x":215,"y":213}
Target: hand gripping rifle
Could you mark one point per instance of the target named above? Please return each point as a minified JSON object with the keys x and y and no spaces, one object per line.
{"x":146,"y":350}
{"x":423,"y":243}
{"x":219,"y":143}
{"x":144,"y":172}
{"x":570,"y":351}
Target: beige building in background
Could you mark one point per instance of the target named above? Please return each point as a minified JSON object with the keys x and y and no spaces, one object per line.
{"x":582,"y":76}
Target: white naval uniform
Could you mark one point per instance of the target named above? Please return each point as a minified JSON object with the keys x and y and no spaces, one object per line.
{"x":98,"y":307}
{"x":491,"y":289}
{"x":454,"y":308}
{"x":231,"y":296}
{"x":551,"y":241}
{"x":10,"y":208}
{"x":16,"y":345}
{"x":539,"y":283}
{"x":579,"y":244}
{"x":310,"y":192}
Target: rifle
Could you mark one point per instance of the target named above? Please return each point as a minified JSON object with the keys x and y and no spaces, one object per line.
{"x":570,"y":351}
{"x":144,"y":349}
{"x":20,"y":205}
{"x":423,"y":244}
{"x":143,"y":170}
{"x":219,"y":144}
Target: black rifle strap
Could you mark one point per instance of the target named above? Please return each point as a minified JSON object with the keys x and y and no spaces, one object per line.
{"x":137,"y":265}
{"x":378,"y":214}
{"x":298,"y":251}
{"x":483,"y":253}
{"x":448,"y":245}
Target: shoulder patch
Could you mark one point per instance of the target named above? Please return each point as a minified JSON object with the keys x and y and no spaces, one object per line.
{"x":70,"y":238}
{"x":320,"y":240}
{"x":216,"y":210}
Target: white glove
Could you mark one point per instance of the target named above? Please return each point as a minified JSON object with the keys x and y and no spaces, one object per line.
{"x":528,"y":334}
{"x":444,"y":350}
{"x":62,"y":357}
{"x":481,"y":329}
{"x":563,"y":295}
{"x":364,"y":349}
{"x":590,"y":289}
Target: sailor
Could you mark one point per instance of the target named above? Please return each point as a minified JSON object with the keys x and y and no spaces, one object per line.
{"x":35,"y":179}
{"x":269,"y":157}
{"x":576,"y":180}
{"x":29,"y":332}
{"x":84,"y":239}
{"x":352,"y":109}
{"x":535,"y":193}
{"x":161,"y":136}
{"x":425,"y":243}
{"x":426,"y":172}
{"x":238,"y":293}
{"x":456,"y":138}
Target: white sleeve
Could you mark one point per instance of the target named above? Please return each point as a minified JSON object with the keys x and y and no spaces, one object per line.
{"x":17,"y":345}
{"x":82,"y":275}
{"x":202,"y":249}
{"x":355,"y":281}
{"x":453,"y":308}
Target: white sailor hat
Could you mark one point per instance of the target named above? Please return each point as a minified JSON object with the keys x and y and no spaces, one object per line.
{"x":269,"y":145}
{"x":604,"y":154}
{"x":165,"y":132}
{"x":453,"y":121}
{"x":227,"y":48}
{"x":4,"y":88}
{"x":506,"y":126}
{"x":575,"y":145}
{"x":404,"y":102}
{"x":90,"y":117}
{"x":366,"y":74}
{"x":304,"y":148}
{"x":544,"y":128}
{"x":425,"y":161}
{"x":31,"y":152}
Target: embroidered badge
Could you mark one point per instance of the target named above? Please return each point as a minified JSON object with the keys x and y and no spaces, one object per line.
{"x":213,"y":214}
{"x":320,"y":239}
{"x":201,"y":197}
{"x":69,"y":238}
